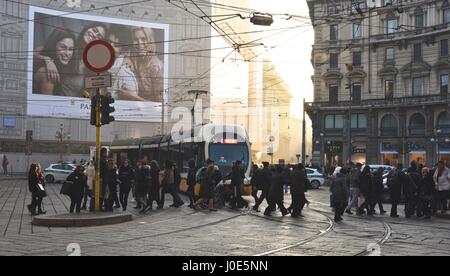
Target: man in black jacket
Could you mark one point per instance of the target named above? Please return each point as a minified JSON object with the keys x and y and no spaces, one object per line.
{"x":411,"y":187}
{"x":298,"y":188}
{"x":276,"y":193}
{"x":112,"y":179}
{"x":396,"y":180}
{"x":237,"y":177}
{"x":127,"y":178}
{"x":264,"y":185}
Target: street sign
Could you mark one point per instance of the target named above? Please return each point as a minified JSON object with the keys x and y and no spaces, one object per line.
{"x":99,"y":56}
{"x":98,"y":81}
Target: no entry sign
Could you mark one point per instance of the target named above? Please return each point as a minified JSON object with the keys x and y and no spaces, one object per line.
{"x":99,"y":56}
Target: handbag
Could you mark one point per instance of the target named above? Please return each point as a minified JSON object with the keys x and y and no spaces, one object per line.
{"x":41,"y":190}
{"x":65,"y":189}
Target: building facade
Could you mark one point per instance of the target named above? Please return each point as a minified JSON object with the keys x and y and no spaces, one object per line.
{"x":381,"y":81}
{"x":188,"y":63}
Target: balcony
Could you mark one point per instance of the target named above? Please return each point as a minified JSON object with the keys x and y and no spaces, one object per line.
{"x":380,"y":103}
{"x":411,"y":34}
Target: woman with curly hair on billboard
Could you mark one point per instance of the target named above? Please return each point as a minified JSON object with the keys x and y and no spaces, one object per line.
{"x":147,"y":67}
{"x":59,"y":51}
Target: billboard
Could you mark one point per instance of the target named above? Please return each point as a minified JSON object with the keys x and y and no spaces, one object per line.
{"x":56,"y":71}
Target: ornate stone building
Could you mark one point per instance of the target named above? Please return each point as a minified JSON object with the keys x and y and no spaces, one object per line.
{"x":381,"y":81}
{"x":188,"y":62}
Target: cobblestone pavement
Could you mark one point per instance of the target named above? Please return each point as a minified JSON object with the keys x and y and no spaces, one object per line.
{"x":185,"y":232}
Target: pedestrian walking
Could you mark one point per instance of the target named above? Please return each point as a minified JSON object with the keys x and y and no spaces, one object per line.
{"x":340,"y":194}
{"x":378,"y":188}
{"x":396,"y":181}
{"x":264,"y":185}
{"x":143,"y":179}
{"x":428,"y":190}
{"x":5,"y":164}
{"x":171,"y":185}
{"x":255,"y":181}
{"x":155,"y":185}
{"x":354,"y":184}
{"x":442,"y":182}
{"x":299,"y":180}
{"x":112,"y":180}
{"x":127,"y":177}
{"x":276,"y":193}
{"x":207,"y":187}
{"x":411,"y":189}
{"x":90,"y":173}
{"x":36,"y":186}
{"x":77,"y":188}
{"x":191,"y":182}
{"x":237,"y":177}
{"x":366,"y":189}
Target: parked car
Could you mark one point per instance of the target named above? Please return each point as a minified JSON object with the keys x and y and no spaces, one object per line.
{"x":58,"y":172}
{"x":315,"y":178}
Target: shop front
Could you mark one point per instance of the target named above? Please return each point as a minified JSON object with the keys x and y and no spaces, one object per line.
{"x":444,"y":152}
{"x":334,"y":153}
{"x":390,"y":154}
{"x":417,"y":152}
{"x":359,"y":153}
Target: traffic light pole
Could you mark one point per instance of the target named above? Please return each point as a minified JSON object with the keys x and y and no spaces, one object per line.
{"x":97,"y":152}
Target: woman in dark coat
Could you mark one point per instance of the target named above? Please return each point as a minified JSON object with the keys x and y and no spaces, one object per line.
{"x":34,"y":179}
{"x":112,"y":179}
{"x":142,"y":185}
{"x":340,"y":194}
{"x":155,"y":185}
{"x":378,"y":188}
{"x":127,"y":178}
{"x":79,"y":183}
{"x":428,"y":189}
{"x":299,"y":181}
{"x":276,"y":193}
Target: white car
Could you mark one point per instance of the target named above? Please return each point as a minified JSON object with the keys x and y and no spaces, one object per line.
{"x":317,"y":179}
{"x":58,"y":172}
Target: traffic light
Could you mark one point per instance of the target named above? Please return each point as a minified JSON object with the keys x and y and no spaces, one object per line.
{"x":93,"y":111}
{"x":107,"y":109}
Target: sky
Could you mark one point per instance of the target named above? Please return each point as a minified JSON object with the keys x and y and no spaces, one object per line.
{"x":289,"y":51}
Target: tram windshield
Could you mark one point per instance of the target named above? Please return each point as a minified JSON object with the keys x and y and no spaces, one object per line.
{"x":224,"y":155}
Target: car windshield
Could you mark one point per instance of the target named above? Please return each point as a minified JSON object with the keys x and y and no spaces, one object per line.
{"x":225,"y":154}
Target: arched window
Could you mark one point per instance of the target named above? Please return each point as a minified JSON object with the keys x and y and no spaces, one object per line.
{"x":417,"y":125}
{"x":443,"y":123}
{"x":389,"y":126}
{"x":446,"y":12}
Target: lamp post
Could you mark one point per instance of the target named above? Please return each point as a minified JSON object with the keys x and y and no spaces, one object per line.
{"x":322,"y":159}
{"x":61,"y":135}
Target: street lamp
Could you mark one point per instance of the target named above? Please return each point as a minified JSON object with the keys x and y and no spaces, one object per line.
{"x":261,"y":19}
{"x":322,"y":149}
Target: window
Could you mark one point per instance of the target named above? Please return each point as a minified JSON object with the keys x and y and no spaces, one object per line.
{"x":389,"y":126}
{"x":389,"y":89}
{"x":359,"y":121}
{"x":334,"y":93}
{"x":417,"y":55}
{"x":357,"y":59}
{"x":334,"y":122}
{"x":334,"y":32}
{"x":419,"y":18}
{"x":334,"y":9}
{"x":444,"y":84}
{"x":446,"y":12}
{"x":444,"y":48}
{"x":356,"y":92}
{"x":417,"y":125}
{"x":390,"y":2}
{"x":444,"y":122}
{"x":417,"y":89}
{"x":358,"y":7}
{"x":12,"y":84}
{"x":389,"y":54}
{"x":357,"y":30}
{"x":391,"y":24}
{"x":334,"y":60}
